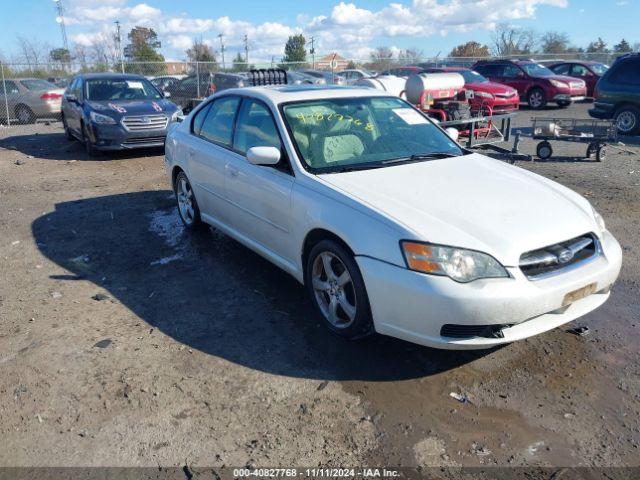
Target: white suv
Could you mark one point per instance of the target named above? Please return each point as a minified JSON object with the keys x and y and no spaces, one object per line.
{"x":390,"y":224}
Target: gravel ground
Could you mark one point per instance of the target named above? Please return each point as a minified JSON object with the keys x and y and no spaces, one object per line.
{"x":126,"y":342}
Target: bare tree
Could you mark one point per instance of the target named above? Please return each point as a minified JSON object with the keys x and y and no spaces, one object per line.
{"x":554,"y":42}
{"x":380,"y":58}
{"x":34,"y":53}
{"x":510,"y":40}
{"x":410,"y":56}
{"x":81,"y":55}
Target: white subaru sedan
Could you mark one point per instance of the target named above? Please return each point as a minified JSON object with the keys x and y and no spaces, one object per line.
{"x":387,"y":221}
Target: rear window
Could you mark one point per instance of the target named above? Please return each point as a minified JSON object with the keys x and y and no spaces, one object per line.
{"x":627,"y":73}
{"x":37,"y":84}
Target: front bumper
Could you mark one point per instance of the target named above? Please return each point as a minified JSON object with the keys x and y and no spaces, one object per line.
{"x":414,"y":306}
{"x":115,"y":137}
{"x":602,"y":111}
{"x":569,"y":97}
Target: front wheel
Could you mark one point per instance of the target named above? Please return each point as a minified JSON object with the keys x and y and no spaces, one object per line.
{"x":337,"y":289}
{"x":536,"y":98}
{"x":24,"y":115}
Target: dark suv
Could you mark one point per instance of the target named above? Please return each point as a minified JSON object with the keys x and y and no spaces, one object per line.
{"x":617,"y":94}
{"x":536,"y":84}
{"x":190,"y":91}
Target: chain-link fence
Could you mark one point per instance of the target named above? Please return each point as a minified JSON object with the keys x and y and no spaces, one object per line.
{"x":32,"y":93}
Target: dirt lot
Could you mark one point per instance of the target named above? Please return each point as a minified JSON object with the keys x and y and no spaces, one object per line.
{"x":124,"y":341}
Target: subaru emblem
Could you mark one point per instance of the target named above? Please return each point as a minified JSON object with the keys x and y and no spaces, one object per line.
{"x":565,"y":256}
{"x":146,"y":120}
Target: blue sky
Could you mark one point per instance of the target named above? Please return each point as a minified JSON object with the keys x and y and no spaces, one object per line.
{"x":351,"y":28}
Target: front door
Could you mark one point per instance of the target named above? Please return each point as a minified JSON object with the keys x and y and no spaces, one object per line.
{"x":260,"y":196}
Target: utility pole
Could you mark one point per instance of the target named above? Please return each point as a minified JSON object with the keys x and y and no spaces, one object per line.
{"x":220,"y":35}
{"x":119,"y":44}
{"x":60,"y":20}
{"x":246,"y":50}
{"x":312,"y":51}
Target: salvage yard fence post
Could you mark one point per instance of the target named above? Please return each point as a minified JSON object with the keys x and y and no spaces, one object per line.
{"x":4,"y":92}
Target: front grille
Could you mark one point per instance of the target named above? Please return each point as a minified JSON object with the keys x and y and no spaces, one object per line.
{"x":133,"y":142}
{"x":506,"y":95}
{"x":470,"y":331}
{"x":141,"y":123}
{"x":555,"y":258}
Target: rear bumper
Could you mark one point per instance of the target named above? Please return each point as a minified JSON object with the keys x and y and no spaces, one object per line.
{"x":415,"y":307}
{"x":114,"y":137}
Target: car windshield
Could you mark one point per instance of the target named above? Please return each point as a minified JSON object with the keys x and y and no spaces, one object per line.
{"x":368,"y":132}
{"x":114,"y":89}
{"x":599,"y":68}
{"x":472,"y":77}
{"x":37,"y":84}
{"x":536,"y":70}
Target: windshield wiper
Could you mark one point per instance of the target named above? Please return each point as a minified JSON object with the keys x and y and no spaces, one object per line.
{"x":421,"y":156}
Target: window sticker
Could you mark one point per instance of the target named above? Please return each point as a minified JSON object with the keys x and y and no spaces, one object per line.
{"x":135,"y":85}
{"x":410,"y":116}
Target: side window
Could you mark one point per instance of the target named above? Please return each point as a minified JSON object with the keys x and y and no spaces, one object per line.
{"x":579,"y":71}
{"x":11,"y":88}
{"x":255,"y":128}
{"x":627,"y":73}
{"x":511,"y":71}
{"x":218,"y":124}
{"x":490,"y":70}
{"x":198,"y":120}
{"x":562,"y":69}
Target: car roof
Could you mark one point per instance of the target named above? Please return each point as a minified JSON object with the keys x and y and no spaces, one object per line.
{"x":111,"y":75}
{"x":277,"y":94}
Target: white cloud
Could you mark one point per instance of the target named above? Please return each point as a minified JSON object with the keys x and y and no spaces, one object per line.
{"x":348,"y":27}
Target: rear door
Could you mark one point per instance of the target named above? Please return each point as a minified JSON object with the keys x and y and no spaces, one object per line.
{"x":625,"y":79}
{"x":260,"y":196}
{"x":515,"y":77}
{"x":208,"y":153}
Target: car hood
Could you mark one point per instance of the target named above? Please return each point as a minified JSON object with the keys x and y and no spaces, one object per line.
{"x":563,"y":78}
{"x":472,"y":202}
{"x":492,"y":87}
{"x":135,"y":107}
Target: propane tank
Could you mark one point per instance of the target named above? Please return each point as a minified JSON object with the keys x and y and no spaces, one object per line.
{"x":440,"y":85}
{"x":387,"y":83}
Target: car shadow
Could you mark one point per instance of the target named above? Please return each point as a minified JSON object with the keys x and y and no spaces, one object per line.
{"x":56,"y":146}
{"x":210,"y":293}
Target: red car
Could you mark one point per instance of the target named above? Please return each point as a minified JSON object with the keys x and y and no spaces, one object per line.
{"x":536,"y":84}
{"x":500,"y":98}
{"x":588,"y":71}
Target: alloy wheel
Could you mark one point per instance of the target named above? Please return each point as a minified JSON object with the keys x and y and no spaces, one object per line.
{"x":334,"y":290}
{"x":626,"y":121}
{"x":184,"y":194}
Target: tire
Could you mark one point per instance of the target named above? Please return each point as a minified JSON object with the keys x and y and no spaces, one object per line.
{"x":24,"y":115}
{"x":536,"y":99}
{"x":337,"y":290}
{"x":628,"y":120}
{"x":601,"y":153}
{"x":186,"y":202}
{"x":592,"y":149}
{"x":67,"y":132}
{"x":91,"y":150}
{"x":564,"y":104}
{"x":544,"y":150}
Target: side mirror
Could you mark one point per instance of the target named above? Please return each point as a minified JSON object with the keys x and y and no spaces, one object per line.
{"x":267,"y":156}
{"x":453,"y":133}
{"x":166,"y":94}
{"x":71,"y":98}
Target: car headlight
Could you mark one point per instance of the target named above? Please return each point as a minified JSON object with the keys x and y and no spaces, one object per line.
{"x":458,"y":264}
{"x":177,"y":115}
{"x":101,"y":119}
{"x":558,"y":84}
{"x":482,"y":94}
{"x":599,"y":221}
